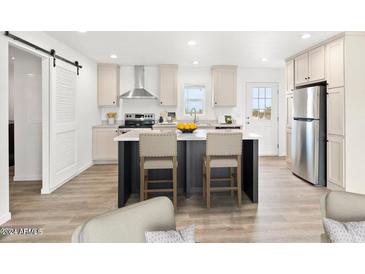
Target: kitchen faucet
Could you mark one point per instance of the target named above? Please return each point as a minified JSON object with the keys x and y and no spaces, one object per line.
{"x":191,"y":113}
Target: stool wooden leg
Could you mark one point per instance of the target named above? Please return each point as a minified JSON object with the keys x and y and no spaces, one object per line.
{"x":239,"y":188}
{"x":174,"y":179}
{"x":231,"y":171}
{"x":208,"y":181}
{"x":141,"y":175}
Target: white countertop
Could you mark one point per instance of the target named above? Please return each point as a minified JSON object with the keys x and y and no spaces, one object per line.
{"x":200,"y":125}
{"x":197,"y":135}
{"x":107,"y":126}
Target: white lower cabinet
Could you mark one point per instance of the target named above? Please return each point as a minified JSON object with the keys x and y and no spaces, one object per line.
{"x":104,"y":148}
{"x":288,"y":147}
{"x":335,"y":160}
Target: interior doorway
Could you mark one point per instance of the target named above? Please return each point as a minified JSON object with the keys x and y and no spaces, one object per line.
{"x":262,"y":115}
{"x":25,"y":117}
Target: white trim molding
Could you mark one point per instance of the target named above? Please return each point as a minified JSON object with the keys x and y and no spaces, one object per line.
{"x":27,"y":178}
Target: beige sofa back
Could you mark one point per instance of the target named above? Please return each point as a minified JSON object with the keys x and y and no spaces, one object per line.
{"x":128,"y":224}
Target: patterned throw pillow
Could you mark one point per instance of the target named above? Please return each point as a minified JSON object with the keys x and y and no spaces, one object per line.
{"x":185,"y":235}
{"x":351,"y":232}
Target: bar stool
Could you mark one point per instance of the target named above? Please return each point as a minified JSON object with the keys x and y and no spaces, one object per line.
{"x":223,"y":150}
{"x":158,"y":151}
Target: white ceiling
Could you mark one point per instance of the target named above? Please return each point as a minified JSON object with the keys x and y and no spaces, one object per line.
{"x":244,"y":49}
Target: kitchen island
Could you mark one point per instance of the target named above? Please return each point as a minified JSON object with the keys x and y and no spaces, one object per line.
{"x":191,"y":149}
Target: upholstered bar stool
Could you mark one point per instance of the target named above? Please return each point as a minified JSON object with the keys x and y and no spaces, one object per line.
{"x":223,"y":150}
{"x":158,"y":151}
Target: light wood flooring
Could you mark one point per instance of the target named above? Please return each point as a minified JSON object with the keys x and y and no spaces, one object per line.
{"x":288,"y":210}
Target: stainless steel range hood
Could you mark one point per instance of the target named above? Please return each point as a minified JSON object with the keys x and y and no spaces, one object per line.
{"x":139,"y":91}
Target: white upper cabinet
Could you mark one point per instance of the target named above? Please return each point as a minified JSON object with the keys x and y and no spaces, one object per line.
{"x":168,"y":85}
{"x":316,"y":67}
{"x":108,"y":84}
{"x":310,"y":66}
{"x":289,"y":76}
{"x":301,"y":69}
{"x":224,"y":85}
{"x":336,"y":111}
{"x":335,"y":63}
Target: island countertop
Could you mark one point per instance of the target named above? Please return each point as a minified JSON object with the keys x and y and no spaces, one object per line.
{"x":197,"y":135}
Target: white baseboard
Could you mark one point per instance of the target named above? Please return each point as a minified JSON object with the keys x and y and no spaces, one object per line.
{"x":5,"y":217}
{"x":27,"y":178}
{"x":332,"y":186}
{"x":105,"y":162}
{"x":85,"y":167}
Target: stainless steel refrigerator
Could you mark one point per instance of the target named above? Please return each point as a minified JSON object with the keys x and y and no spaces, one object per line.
{"x":309,"y":134}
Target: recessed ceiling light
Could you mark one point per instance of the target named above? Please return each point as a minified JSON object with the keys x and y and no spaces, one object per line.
{"x":264,"y":59}
{"x":306,"y":36}
{"x":12,"y":58}
{"x":113,"y":56}
{"x":82,"y":31}
{"x":30,"y":74}
{"x":195,"y":63}
{"x":191,"y":43}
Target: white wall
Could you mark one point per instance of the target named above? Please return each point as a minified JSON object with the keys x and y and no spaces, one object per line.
{"x":11,"y":91}
{"x":4,"y":157}
{"x":199,"y":75}
{"x":87,"y":110}
{"x":354,"y":112}
{"x":25,"y":86}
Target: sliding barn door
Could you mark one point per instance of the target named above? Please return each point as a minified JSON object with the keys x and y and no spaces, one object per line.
{"x":63,"y":124}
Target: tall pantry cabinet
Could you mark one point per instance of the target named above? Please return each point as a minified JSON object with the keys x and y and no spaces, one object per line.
{"x":344,"y":73}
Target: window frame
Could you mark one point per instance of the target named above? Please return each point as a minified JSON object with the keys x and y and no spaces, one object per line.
{"x":264,"y":99}
{"x":201,"y":86}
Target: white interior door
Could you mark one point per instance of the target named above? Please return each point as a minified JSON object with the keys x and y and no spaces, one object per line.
{"x":63,"y":121}
{"x":262,"y":115}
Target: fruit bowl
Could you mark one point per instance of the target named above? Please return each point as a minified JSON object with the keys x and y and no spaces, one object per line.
{"x":186,"y":127}
{"x":187,"y":130}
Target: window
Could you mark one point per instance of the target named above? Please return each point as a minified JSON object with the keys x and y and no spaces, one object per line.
{"x":261,"y":103}
{"x":194,"y":97}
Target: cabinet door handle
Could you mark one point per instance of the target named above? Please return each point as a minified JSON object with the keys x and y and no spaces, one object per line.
{"x":309,"y":77}
{"x":306,"y":78}
{"x":161,"y":102}
{"x":113,"y":102}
